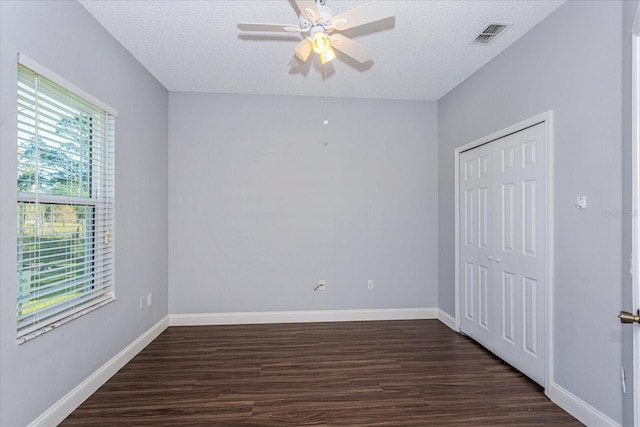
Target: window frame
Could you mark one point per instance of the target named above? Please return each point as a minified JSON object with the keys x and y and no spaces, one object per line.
{"x":100,"y":198}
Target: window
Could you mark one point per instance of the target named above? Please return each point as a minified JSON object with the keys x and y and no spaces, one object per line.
{"x":65,"y":184}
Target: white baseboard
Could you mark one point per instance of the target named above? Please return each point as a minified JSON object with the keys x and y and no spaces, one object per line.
{"x":248,"y":318}
{"x":65,"y":406}
{"x":577,"y":407}
{"x":447,"y":319}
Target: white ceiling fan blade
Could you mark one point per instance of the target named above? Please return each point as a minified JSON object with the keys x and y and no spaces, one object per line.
{"x":303,"y":49}
{"x":351,"y":48}
{"x":364,"y":14}
{"x":308,"y":9}
{"x":251,"y":26}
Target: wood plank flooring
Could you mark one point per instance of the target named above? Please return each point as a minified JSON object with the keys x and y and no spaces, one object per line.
{"x":390,"y":373}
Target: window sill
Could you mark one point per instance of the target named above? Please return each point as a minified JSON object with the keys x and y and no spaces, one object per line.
{"x":54,"y":325}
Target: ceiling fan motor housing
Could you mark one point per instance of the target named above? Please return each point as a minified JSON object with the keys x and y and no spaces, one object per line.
{"x":321,"y":23}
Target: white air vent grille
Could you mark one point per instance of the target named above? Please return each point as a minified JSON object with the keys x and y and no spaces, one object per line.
{"x":490,"y":33}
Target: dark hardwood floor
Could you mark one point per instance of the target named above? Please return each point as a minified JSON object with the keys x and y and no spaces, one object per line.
{"x":390,"y":373}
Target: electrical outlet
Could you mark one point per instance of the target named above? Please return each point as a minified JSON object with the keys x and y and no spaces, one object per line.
{"x":370,"y":284}
{"x":321,"y":286}
{"x":142,"y":303}
{"x":149,"y":300}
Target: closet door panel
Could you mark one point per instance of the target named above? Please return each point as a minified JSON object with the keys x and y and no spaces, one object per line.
{"x":532,"y":251}
{"x":476,"y":243}
{"x":521,"y":229}
{"x":507,"y":311}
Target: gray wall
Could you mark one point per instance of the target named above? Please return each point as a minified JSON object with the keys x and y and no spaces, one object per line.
{"x":260,"y":208}
{"x":63,"y":37}
{"x":565,"y":66}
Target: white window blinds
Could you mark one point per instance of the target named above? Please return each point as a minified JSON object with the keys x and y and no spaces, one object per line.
{"x":65,"y":214}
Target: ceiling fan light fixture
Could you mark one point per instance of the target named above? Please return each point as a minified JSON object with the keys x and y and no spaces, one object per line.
{"x":303,"y":50}
{"x":328,"y":55}
{"x":320,"y":42}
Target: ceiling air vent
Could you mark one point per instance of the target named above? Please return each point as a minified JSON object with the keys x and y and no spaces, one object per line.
{"x":490,"y":33}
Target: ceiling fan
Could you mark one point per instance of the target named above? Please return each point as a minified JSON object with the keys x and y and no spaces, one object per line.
{"x":319,"y":26}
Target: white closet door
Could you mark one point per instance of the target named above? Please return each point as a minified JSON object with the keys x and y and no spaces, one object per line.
{"x":502,"y":248}
{"x":520,"y":254}
{"x":476,"y":242}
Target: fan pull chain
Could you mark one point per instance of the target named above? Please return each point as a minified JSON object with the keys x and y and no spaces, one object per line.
{"x":326,"y":106}
{"x":326,"y":109}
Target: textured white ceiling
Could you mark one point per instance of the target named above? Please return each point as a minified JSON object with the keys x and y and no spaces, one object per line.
{"x":421,"y":54}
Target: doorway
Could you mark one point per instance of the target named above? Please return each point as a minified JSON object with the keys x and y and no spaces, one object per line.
{"x":635,"y":214}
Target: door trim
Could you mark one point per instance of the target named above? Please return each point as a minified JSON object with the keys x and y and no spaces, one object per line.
{"x":635,"y":208}
{"x":547,"y":119}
